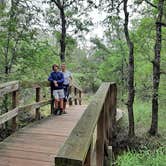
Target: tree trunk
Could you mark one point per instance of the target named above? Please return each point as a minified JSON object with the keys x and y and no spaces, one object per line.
{"x":131,"y":91}
{"x":156,"y":70}
{"x":63,"y":35}
{"x":61,"y":7}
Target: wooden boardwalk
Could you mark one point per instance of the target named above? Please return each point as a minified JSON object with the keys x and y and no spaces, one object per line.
{"x":38,"y":143}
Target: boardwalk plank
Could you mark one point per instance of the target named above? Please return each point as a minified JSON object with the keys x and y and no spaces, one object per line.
{"x":9,"y":161}
{"x":47,"y":157}
{"x":38,"y":143}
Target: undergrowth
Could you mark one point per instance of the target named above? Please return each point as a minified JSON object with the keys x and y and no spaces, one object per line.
{"x":142,"y":150}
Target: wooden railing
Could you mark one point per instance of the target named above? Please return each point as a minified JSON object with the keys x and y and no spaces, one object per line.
{"x":90,"y":140}
{"x":14,"y":88}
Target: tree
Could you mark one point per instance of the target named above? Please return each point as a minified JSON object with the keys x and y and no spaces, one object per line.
{"x":61,"y":6}
{"x":16,"y":19}
{"x":114,"y":8}
{"x":156,"y":68}
{"x":70,"y":16}
{"x":131,"y":90}
{"x":16,"y":29}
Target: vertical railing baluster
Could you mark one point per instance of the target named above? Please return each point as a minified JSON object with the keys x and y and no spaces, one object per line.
{"x":52,"y":101}
{"x":70,"y":94}
{"x":14,"y":105}
{"x":75,"y":95}
{"x":80,"y":95}
{"x":37,"y":114}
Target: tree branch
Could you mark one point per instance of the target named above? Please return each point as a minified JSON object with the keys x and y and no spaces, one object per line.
{"x":161,"y":23}
{"x":163,"y":72}
{"x":151,"y":4}
{"x":57,"y":3}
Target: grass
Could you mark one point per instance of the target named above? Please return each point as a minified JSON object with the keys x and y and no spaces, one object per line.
{"x":142,"y":114}
{"x":152,"y":151}
{"x":143,"y":158}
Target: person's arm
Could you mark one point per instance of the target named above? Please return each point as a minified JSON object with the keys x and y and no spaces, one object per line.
{"x":50,"y":78}
{"x":62,"y":79}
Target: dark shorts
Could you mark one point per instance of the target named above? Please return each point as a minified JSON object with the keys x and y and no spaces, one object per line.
{"x":66,"y":92}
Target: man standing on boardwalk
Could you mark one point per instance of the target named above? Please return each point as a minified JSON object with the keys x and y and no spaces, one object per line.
{"x":56,"y":78}
{"x":66,"y":83}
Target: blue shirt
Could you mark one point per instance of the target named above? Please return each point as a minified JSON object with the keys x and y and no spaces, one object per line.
{"x":56,"y":76}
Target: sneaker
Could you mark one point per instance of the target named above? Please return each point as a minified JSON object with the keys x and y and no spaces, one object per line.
{"x":55,"y":111}
{"x":61,"y":111}
{"x":58,"y":112}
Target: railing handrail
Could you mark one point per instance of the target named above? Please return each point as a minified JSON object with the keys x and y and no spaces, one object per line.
{"x":14,"y":86}
{"x":8,"y":87}
{"x":75,"y":149}
{"x":11,"y":86}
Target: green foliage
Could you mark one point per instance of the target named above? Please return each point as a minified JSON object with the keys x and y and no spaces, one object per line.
{"x":143,"y":158}
{"x":40,"y":62}
{"x":153,"y":151}
{"x":15,"y":33}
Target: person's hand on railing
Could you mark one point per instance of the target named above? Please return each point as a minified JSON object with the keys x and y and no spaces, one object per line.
{"x":55,"y":83}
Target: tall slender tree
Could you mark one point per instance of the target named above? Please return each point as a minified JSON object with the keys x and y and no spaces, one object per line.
{"x":113,"y":9}
{"x":61,"y":4}
{"x":131,"y":90}
{"x":156,"y":68}
{"x":70,"y":17}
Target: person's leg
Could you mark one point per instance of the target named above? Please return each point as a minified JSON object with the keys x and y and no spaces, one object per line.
{"x":64,"y":105}
{"x":61,"y":104}
{"x":56,"y":103}
{"x":65,"y":98}
{"x":61,"y":97}
{"x":55,"y":94}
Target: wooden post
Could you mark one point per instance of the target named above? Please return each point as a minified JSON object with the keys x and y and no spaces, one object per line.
{"x":75,"y":95}
{"x":37,"y":115}
{"x":88,"y":158}
{"x":80,"y":99}
{"x":14,"y":104}
{"x":52,"y":101}
{"x":70,"y":99}
{"x":100,"y":140}
{"x":108,"y":160}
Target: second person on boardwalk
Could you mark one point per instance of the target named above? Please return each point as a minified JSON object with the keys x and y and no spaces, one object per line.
{"x":56,"y":78}
{"x":66,"y":83}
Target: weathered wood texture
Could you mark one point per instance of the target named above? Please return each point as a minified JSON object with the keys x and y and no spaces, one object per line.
{"x":8,"y":87}
{"x":14,"y":105}
{"x":13,"y":113}
{"x":9,"y":115}
{"x":14,"y":87}
{"x":76,"y":148}
{"x":37,"y":100}
{"x":85,"y":146}
{"x":38,"y":143}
